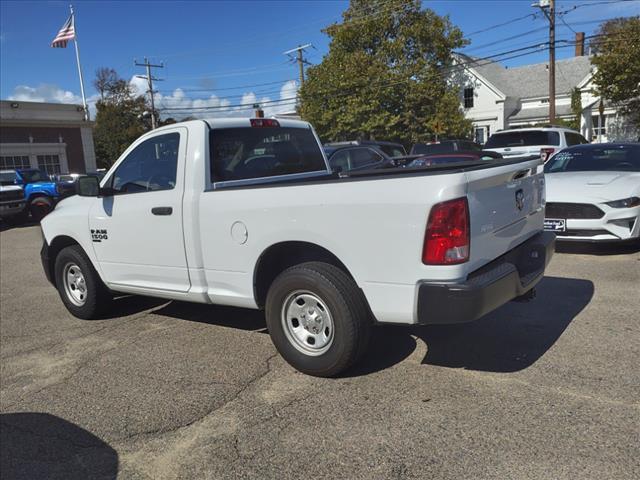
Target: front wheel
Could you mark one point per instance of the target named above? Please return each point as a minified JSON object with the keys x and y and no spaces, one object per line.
{"x":318,"y":319}
{"x":79,"y":285}
{"x":40,"y":207}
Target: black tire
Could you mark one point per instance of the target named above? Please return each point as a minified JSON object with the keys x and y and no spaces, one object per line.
{"x":40,"y":207}
{"x":348,"y":309}
{"x":97,"y":297}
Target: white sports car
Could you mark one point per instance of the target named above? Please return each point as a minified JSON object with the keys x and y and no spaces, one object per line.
{"x":593,"y":193}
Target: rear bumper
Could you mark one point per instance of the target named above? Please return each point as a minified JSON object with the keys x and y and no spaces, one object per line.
{"x":509,"y":276}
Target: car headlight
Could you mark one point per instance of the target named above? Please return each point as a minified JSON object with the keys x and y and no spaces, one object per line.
{"x":625,"y":203}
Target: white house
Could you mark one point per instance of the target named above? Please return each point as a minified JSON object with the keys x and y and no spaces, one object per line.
{"x":495,"y":97}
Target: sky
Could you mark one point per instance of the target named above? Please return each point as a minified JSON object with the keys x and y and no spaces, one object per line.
{"x":228,"y":53}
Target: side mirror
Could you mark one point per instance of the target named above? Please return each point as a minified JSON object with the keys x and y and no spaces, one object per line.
{"x":88,"y":186}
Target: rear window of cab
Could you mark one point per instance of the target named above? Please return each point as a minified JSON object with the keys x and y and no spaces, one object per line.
{"x":249,"y":153}
{"x":523,"y":139}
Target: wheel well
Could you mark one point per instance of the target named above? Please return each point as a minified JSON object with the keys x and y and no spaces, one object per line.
{"x":57,"y":244}
{"x":277,"y":258}
{"x":38,"y":194}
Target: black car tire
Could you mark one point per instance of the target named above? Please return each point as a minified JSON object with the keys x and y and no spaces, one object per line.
{"x":97,"y":297}
{"x":351,"y":318}
{"x":40,"y":207}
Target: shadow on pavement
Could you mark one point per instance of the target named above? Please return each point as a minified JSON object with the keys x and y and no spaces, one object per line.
{"x":598,"y":248}
{"x":233,"y":317}
{"x":39,"y":445}
{"x":124,"y":305}
{"x":4,"y":225}
{"x":512,"y":338}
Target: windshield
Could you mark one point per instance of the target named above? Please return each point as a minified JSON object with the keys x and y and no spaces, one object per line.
{"x":523,"y":139}
{"x":392,"y":150}
{"x":33,"y":176}
{"x":7,"y":178}
{"x":432,"y":148}
{"x":624,"y":158}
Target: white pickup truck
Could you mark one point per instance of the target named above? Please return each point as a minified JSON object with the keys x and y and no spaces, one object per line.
{"x":246,"y":212}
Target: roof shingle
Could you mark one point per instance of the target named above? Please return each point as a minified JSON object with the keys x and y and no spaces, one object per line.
{"x":531,"y":80}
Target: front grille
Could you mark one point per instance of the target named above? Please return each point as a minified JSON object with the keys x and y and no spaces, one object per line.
{"x":11,"y":195}
{"x":572,"y":210}
{"x":582,"y":233}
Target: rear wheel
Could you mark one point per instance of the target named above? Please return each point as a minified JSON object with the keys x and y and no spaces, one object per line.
{"x":318,"y":319}
{"x":40,"y":207}
{"x":79,"y":285}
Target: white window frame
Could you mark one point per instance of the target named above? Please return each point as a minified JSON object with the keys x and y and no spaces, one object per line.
{"x":14,"y":166}
{"x":32,"y":150}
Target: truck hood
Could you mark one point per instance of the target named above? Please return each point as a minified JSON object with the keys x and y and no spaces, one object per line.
{"x":594,"y":187}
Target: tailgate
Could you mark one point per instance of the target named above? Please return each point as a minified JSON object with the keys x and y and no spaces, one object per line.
{"x":506,"y":207}
{"x":513,"y":152}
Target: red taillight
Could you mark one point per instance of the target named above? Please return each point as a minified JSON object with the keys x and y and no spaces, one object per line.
{"x":446,"y":241}
{"x":545,"y":153}
{"x":264,"y":122}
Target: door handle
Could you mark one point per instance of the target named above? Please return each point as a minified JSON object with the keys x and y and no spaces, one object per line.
{"x":162,"y":210}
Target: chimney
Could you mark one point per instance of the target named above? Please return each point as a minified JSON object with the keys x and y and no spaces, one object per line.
{"x":259,"y":113}
{"x":579,"y":44}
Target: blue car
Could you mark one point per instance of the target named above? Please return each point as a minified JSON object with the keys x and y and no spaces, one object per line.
{"x":40,"y":192}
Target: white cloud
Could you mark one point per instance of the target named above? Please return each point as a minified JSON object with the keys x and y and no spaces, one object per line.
{"x":178,"y":99}
{"x":49,"y":93}
{"x":197,"y":107}
{"x":44,"y":93}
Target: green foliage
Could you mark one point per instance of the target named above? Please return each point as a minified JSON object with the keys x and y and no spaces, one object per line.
{"x":383,"y":76}
{"x":117,"y":120}
{"x":576,"y":109}
{"x":617,"y":59}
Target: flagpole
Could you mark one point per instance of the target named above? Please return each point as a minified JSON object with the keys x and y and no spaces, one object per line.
{"x":75,"y":42}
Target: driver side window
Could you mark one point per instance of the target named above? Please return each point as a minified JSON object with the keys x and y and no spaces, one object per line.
{"x":151,"y":166}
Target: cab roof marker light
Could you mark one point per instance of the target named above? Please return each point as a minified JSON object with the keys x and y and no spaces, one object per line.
{"x":264,"y":122}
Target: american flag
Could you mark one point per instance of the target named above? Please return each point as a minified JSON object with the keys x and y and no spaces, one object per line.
{"x":66,"y":33}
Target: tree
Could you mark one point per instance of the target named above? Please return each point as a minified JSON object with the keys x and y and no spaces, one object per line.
{"x":118,"y":118}
{"x":385,"y":75}
{"x":104,"y":81}
{"x":617,"y":60}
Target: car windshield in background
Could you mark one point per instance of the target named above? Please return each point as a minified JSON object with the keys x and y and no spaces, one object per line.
{"x":431,"y":148}
{"x":624,"y":158}
{"x":392,"y":150}
{"x":33,"y":176}
{"x":523,"y":139}
{"x":7,"y":178}
{"x":246,"y":153}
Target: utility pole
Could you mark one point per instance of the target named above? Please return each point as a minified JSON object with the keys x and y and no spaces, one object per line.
{"x":299,"y":59}
{"x":150,"y":78}
{"x":548,"y":7}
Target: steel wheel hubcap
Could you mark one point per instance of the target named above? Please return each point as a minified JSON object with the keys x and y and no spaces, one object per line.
{"x":307,"y":323}
{"x":75,"y":285}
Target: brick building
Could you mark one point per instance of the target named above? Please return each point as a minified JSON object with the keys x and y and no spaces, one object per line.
{"x":49,"y":136}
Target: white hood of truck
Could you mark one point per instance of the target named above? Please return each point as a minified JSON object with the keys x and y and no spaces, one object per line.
{"x":591,"y":187}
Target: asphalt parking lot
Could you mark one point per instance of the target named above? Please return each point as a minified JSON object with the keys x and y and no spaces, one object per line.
{"x":546,"y":389}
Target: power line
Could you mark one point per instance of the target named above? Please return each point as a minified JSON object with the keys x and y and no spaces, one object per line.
{"x":227,"y":106}
{"x":498,"y":25}
{"x":239,"y":87}
{"x":591,"y":4}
